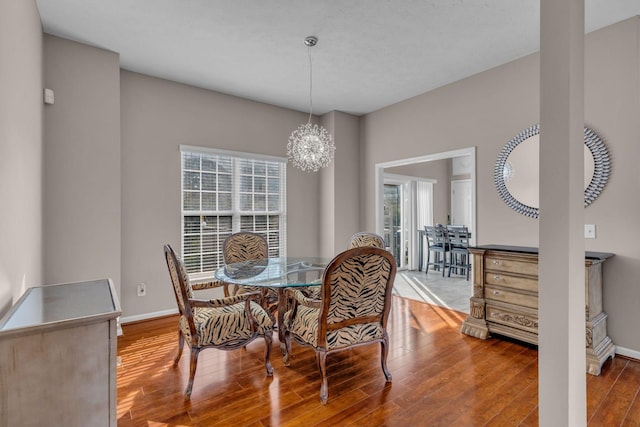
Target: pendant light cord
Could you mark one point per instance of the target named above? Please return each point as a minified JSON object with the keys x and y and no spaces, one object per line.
{"x":310,"y":83}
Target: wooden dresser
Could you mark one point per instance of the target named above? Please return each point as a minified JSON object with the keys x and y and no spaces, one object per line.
{"x":505,"y":299}
{"x":58,"y":356}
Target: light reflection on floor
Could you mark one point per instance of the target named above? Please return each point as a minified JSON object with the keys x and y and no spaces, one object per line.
{"x":448,"y":292}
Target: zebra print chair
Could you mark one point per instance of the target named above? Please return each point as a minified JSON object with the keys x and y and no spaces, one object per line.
{"x":226,"y":324}
{"x":355,"y":299}
{"x":245,"y":246}
{"x":358,"y":240}
{"x":364,"y":238}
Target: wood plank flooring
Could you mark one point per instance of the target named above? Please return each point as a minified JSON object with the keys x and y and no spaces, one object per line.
{"x":440,"y":378}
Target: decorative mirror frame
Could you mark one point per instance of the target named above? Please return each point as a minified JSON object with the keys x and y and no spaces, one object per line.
{"x":601,"y":170}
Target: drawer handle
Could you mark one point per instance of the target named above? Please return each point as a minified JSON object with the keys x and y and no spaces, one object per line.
{"x":496,"y":278}
{"x":496,"y":262}
{"x":496,"y":292}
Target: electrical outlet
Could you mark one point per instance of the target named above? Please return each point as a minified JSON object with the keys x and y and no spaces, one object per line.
{"x":142,"y":289}
{"x":590,"y":231}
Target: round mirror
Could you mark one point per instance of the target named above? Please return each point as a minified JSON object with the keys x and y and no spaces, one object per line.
{"x":516,"y":173}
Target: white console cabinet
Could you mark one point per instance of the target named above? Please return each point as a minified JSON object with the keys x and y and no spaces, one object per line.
{"x":58,"y":348}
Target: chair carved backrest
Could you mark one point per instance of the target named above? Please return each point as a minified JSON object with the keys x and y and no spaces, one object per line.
{"x":362,"y":239}
{"x":181,"y":287}
{"x":358,"y":282}
{"x":244,"y":246}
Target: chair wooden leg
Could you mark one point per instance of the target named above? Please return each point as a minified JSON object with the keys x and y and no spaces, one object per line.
{"x":324,"y":387}
{"x":286,"y":348}
{"x":384,"y":344}
{"x":267,"y":353}
{"x":180,"y":347}
{"x":192,"y":370}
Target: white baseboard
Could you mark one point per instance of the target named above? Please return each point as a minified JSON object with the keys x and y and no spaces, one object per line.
{"x":627,"y":352}
{"x":147,"y":316}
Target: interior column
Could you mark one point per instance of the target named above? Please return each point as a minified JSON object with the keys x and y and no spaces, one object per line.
{"x":562,"y":383}
{"x":340,"y":185}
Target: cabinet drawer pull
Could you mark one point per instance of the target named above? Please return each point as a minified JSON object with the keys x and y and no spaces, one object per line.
{"x":496,"y":292}
{"x":496,"y":278}
{"x":496,"y":262}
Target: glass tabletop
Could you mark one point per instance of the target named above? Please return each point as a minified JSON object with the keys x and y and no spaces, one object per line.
{"x":281,"y":272}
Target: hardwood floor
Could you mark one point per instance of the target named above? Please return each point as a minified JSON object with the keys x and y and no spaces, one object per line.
{"x":440,"y":378}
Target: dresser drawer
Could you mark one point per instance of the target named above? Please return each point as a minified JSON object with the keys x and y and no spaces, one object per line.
{"x":497,"y":293}
{"x":511,"y":266}
{"x":509,"y":281}
{"x":522,"y":319}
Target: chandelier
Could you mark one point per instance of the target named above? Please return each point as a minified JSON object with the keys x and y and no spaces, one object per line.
{"x":310,"y":147}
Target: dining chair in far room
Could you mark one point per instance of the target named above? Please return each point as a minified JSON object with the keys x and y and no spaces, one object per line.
{"x":247,"y":246}
{"x":438,"y":246}
{"x":225,"y":323}
{"x":364,"y":238}
{"x":353,"y":309}
{"x":459,"y":250}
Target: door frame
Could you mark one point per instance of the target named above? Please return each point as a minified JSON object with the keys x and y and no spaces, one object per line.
{"x":379,"y":182}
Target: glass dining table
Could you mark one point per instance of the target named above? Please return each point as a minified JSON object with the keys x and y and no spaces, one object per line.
{"x":276,"y":273}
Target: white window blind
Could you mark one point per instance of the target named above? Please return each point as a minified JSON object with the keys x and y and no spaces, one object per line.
{"x":226,"y":192}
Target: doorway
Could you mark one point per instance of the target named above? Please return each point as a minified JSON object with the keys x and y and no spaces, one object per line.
{"x":405,"y":242}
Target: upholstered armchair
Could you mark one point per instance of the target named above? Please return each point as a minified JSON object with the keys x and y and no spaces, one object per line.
{"x":358,"y":240}
{"x":226,"y":323}
{"x":246,"y":246}
{"x":352,"y":309}
{"x":364,"y":238}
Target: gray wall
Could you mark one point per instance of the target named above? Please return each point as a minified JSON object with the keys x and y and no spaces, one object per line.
{"x":81,"y":163}
{"x":20,"y":149}
{"x":340,"y":185}
{"x":158,"y":116}
{"x":488,"y":109}
{"x":112,"y":169}
{"x":439,"y":170}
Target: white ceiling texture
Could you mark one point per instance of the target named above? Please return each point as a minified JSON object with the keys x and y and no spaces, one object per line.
{"x":370,"y":54}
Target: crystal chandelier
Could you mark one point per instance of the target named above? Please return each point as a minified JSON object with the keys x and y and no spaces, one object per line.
{"x":310,"y":146}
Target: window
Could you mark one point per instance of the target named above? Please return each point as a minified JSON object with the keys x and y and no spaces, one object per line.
{"x":226,"y":192}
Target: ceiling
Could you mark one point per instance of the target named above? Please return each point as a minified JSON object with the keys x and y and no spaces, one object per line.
{"x":370,"y":54}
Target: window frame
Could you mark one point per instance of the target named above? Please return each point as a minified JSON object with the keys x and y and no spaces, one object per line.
{"x":235,"y":212}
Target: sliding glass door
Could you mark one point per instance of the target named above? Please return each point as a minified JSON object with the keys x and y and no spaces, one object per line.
{"x":393,"y":214}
